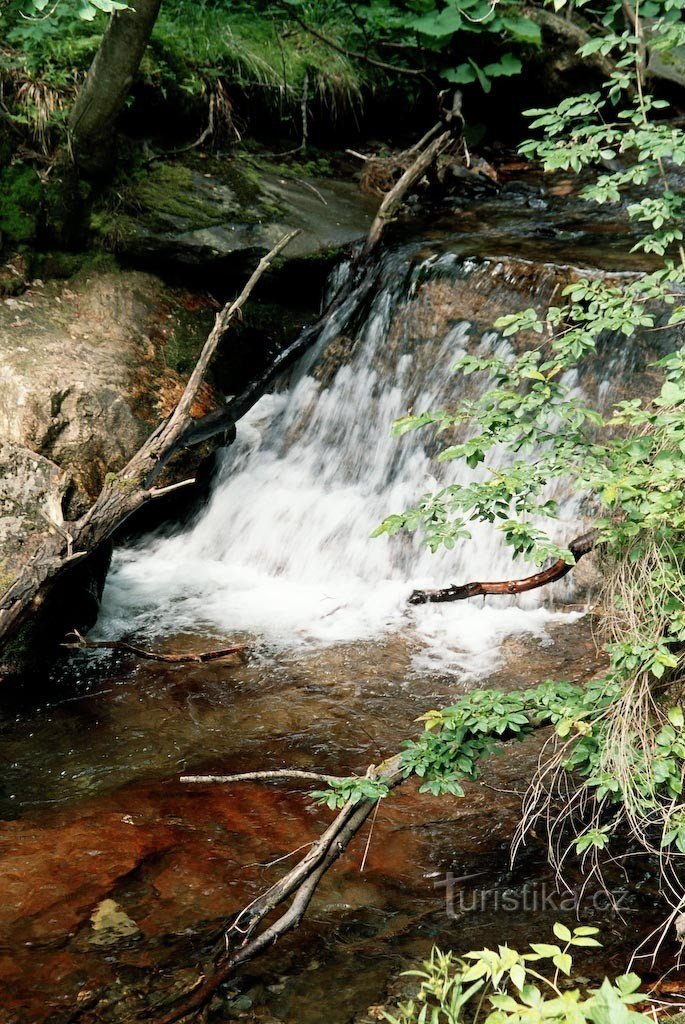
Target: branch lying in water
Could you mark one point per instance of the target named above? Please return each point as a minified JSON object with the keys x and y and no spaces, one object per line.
{"x":578,"y":547}
{"x":277,"y":774}
{"x":300,"y":883}
{"x":241,"y":942}
{"x":80,"y":642}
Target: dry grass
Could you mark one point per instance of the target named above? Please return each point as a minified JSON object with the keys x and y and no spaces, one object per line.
{"x":635,"y":597}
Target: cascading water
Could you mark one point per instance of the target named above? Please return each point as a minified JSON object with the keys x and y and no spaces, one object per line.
{"x":283,"y":548}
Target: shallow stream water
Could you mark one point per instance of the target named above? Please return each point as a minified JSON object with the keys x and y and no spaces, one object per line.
{"x":116,"y":876}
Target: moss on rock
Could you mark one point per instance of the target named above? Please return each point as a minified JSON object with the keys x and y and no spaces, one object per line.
{"x":20,"y":204}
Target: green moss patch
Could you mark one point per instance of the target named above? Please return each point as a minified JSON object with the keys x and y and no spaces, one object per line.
{"x":20,"y":204}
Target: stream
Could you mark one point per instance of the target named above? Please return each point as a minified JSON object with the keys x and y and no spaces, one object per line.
{"x":115,"y":875}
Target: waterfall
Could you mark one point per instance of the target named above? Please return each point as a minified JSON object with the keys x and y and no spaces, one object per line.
{"x":283,"y":551}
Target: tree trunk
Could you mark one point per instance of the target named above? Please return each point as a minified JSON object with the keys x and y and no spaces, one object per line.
{"x":108,"y":83}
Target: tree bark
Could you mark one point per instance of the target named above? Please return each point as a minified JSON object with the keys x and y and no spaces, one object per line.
{"x":107,"y":85}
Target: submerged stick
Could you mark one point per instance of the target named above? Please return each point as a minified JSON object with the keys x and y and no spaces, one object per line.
{"x":81,"y":642}
{"x":460,"y":592}
{"x":298,"y":885}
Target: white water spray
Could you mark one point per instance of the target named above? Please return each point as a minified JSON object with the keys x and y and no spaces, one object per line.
{"x":283,"y":548}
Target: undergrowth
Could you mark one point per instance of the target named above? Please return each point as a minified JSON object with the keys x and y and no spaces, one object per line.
{"x":239,"y":57}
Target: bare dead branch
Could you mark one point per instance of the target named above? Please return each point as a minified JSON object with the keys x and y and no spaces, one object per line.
{"x":275,"y":775}
{"x":160,"y":492}
{"x":80,"y":642}
{"x":300,"y":883}
{"x":460,"y":592}
{"x":241,"y":940}
{"x":128,"y":490}
{"x":393,"y":200}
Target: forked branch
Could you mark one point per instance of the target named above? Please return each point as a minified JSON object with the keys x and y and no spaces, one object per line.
{"x":300,"y":883}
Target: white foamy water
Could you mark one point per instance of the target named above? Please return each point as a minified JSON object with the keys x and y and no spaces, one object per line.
{"x":283,"y":548}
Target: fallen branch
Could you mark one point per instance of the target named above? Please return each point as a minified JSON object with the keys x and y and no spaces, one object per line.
{"x":300,"y":883}
{"x":80,"y":643}
{"x":393,"y":200}
{"x":127,"y":491}
{"x":578,"y":547}
{"x":276,"y":774}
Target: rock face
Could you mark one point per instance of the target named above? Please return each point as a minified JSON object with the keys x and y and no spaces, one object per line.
{"x":87,"y":369}
{"x":31,"y":493}
{"x":204,"y":214}
{"x":85,"y":374}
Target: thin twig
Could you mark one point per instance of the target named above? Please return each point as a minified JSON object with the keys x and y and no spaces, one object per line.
{"x":276,"y":774}
{"x":80,"y":642}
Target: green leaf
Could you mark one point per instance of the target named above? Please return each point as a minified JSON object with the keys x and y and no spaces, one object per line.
{"x":523,"y":29}
{"x":518,"y":975}
{"x":507,"y":65}
{"x":676,"y":718}
{"x":564,"y":962}
{"x":485,"y":82}
{"x":561,"y":932}
{"x":461,"y":75}
{"x":545,"y":949}
{"x":443,"y":23}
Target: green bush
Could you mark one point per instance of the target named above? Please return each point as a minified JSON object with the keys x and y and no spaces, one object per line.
{"x":507,"y":987}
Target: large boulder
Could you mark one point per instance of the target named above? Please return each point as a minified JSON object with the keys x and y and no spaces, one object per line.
{"x":88,"y":368}
{"x":208,"y":212}
{"x":32,"y":490}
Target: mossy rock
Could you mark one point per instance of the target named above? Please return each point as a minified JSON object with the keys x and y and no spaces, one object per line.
{"x":198,"y":212}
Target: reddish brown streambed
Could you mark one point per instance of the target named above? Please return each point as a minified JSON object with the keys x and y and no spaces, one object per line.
{"x":114,"y":875}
